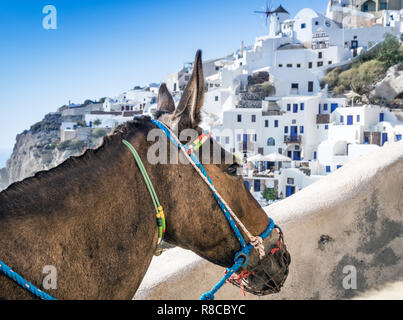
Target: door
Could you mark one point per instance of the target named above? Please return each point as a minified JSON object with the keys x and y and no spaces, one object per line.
{"x":245,"y":142}
{"x":349,"y":120}
{"x":256,"y":186}
{"x":290,"y":190}
{"x":247,"y":185}
{"x":297,"y":156}
{"x":384,"y":138}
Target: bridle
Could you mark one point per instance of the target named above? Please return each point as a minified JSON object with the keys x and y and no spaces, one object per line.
{"x":241,"y":259}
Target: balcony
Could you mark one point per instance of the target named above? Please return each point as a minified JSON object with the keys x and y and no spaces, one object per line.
{"x":293,"y":139}
{"x":322,"y":118}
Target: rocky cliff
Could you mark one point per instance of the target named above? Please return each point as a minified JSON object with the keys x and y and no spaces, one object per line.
{"x":40,"y":148}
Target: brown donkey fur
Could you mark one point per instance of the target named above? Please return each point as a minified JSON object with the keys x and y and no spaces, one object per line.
{"x":93,"y":219}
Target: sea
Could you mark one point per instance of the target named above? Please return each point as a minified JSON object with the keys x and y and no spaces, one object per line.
{"x":4,"y":156}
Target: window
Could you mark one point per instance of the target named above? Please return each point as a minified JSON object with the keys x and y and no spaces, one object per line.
{"x":227,"y":140}
{"x":216,"y":98}
{"x":295,"y":108}
{"x":302,"y":106}
{"x":381,"y":117}
{"x":266,"y":123}
{"x":253,"y":118}
{"x":326,"y":126}
{"x":320,"y":63}
{"x":294,"y":85}
{"x":280,"y":65}
{"x":320,"y":55}
{"x":271,"y":142}
{"x":383,"y":6}
{"x":294,"y":121}
{"x":310,"y":86}
{"x":217,"y":68}
{"x":218,"y":139}
{"x":239,"y":118}
{"x":358,"y":118}
{"x":238,"y":137}
{"x":303,"y":25}
{"x":315,"y":155}
{"x":325,"y":107}
{"x":298,"y":65}
{"x":341,"y":119}
{"x":330,"y":62}
{"x":328,"y":169}
{"x":255,"y":137}
{"x":316,"y":23}
{"x":289,"y":65}
{"x":398,"y":137}
{"x":301,"y":129}
{"x":290,"y":180}
{"x":285,"y":130}
{"x":276,"y":123}
{"x":288,"y":106}
{"x":310,"y":65}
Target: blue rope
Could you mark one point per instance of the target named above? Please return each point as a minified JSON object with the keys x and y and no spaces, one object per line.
{"x":246,"y":248}
{"x":24,"y":283}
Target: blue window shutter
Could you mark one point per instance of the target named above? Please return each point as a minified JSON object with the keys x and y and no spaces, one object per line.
{"x":381,"y":117}
{"x":285,"y":129}
{"x":398,"y":137}
{"x":302,"y":106}
{"x":328,"y":169}
{"x":295,"y":108}
{"x":288,"y":107}
{"x":301,"y":129}
{"x":276,"y":123}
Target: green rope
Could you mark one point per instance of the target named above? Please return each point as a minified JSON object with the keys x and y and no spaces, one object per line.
{"x":158,"y":208}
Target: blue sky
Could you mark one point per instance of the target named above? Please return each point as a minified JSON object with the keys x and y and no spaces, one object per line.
{"x":103,"y":47}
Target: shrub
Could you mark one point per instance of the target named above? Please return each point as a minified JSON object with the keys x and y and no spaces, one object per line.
{"x":71,"y":145}
{"x":270,"y":194}
{"x":98,"y":133}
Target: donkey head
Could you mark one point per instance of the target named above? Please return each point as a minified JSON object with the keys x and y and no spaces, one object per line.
{"x":208,"y":232}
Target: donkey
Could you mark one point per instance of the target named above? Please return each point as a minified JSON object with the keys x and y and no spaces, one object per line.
{"x":92,"y":218}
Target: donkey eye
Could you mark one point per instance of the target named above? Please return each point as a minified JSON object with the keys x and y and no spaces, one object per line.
{"x":232,"y":170}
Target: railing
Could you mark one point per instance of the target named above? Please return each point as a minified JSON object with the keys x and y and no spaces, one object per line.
{"x":292,"y":139}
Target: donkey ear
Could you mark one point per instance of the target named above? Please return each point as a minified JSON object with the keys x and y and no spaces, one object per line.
{"x":188,"y":110}
{"x":165,"y":100}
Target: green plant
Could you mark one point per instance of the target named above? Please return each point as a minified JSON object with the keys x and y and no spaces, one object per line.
{"x":270,"y":194}
{"x":98,"y":133}
{"x":97,"y":122}
{"x":81,"y":123}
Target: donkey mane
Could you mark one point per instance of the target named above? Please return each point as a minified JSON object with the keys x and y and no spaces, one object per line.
{"x":124,"y":131}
